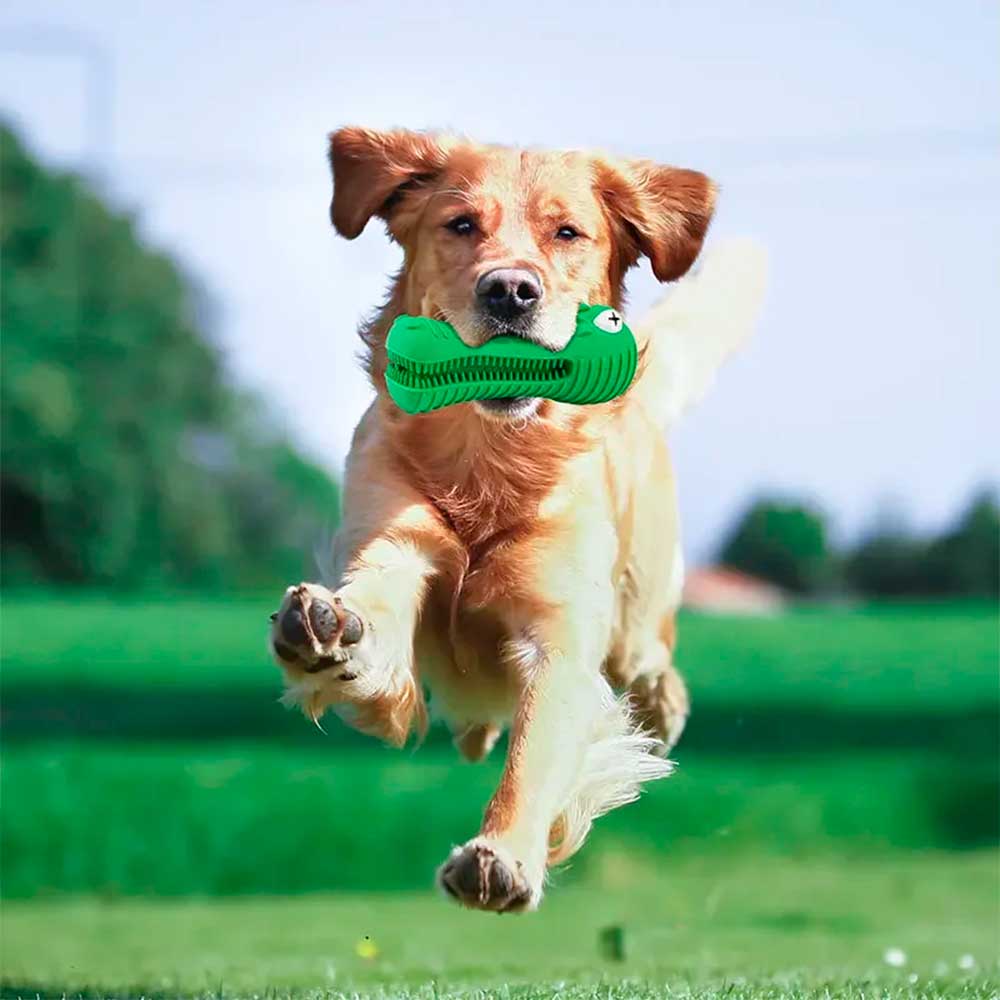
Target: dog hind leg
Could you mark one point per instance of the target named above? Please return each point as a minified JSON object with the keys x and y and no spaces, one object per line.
{"x":657,"y":692}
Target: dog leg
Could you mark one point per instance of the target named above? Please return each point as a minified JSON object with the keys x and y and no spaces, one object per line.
{"x":351,"y":648}
{"x":476,"y":741}
{"x":503,"y":868}
{"x":660,"y":703}
{"x":560,"y":625}
{"x":656,"y":691}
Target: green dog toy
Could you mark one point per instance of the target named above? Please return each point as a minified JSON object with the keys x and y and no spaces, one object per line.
{"x":430,"y":367}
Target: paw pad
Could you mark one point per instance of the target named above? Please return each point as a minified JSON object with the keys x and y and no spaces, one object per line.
{"x":313,"y":630}
{"x":476,"y":877}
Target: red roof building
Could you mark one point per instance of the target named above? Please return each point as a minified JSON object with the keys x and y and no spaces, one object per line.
{"x":720,"y":590}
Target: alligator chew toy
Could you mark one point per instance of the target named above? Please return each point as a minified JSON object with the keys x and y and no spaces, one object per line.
{"x":430,"y":367}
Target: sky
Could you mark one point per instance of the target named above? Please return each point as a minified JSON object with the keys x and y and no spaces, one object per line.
{"x":858,"y":142}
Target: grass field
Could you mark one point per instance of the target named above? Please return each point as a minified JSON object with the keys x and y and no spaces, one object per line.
{"x":913,"y":655}
{"x":804,"y":924}
{"x":168,"y":829}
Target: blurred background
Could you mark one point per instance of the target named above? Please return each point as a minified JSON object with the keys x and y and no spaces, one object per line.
{"x":178,"y":394}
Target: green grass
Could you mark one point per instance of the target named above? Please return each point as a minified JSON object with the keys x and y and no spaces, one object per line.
{"x":726,"y":927}
{"x":907,"y":677}
{"x":130,"y":819}
{"x":943,"y":655}
{"x":112,"y":710}
{"x":836,"y":796}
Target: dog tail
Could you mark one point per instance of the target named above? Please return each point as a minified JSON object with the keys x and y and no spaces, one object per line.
{"x":690,"y":332}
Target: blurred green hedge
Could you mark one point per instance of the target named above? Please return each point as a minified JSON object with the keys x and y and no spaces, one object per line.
{"x":129,"y":459}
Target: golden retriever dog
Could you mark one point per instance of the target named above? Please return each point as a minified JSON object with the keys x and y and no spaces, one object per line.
{"x":519,"y":558}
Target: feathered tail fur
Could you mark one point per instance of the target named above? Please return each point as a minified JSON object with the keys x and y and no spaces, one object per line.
{"x":705,"y":318}
{"x":616,"y":764}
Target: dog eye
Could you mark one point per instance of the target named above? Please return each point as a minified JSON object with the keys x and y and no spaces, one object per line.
{"x":462,"y":225}
{"x":566,"y":233}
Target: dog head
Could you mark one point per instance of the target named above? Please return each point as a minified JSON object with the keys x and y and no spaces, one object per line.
{"x":506,"y":241}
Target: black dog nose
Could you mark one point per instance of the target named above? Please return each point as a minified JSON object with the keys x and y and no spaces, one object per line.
{"x":508,"y":292}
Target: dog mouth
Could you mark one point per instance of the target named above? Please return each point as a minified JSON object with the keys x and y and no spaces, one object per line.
{"x":509,"y":407}
{"x":507,"y":376}
{"x":514,"y":326}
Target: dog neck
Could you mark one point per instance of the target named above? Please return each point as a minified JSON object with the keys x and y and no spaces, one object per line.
{"x":485,"y":476}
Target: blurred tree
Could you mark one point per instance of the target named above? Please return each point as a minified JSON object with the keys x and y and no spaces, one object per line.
{"x":127,"y":457}
{"x":784,"y":543}
{"x":888,"y":563}
{"x":964,"y":561}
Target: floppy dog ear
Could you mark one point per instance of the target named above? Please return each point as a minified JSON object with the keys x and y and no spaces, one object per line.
{"x":372,"y":170}
{"x":658,"y":211}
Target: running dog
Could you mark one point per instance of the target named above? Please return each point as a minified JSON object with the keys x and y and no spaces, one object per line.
{"x":519,"y":558}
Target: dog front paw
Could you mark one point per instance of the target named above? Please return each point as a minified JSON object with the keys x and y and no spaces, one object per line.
{"x":483,"y":876}
{"x":314,"y":632}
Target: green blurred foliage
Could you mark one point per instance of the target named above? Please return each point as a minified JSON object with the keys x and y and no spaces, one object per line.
{"x":964,"y":560}
{"x":128,"y":458}
{"x":785,"y":543}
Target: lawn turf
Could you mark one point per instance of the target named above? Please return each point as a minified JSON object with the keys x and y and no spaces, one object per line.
{"x":238,"y":818}
{"x":933,"y":655}
{"x":816,"y":927}
{"x":836,"y":790}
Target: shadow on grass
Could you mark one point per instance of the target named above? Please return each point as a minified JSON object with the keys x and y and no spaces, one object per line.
{"x":35,"y":991}
{"x":39,"y":712}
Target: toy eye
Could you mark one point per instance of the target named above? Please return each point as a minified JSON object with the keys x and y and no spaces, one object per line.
{"x":462,"y":225}
{"x":610,"y":321}
{"x":566,"y":233}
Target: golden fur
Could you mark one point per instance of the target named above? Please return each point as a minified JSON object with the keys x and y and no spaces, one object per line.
{"x":518,"y":566}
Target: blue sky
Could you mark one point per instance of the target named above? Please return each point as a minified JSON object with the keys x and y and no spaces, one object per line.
{"x":859,"y":143}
